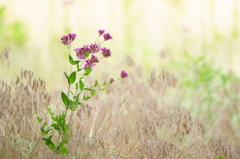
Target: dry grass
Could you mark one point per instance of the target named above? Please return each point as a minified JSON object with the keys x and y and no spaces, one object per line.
{"x":131,"y":119}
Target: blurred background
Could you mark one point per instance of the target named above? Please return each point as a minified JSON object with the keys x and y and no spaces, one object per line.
{"x":173,"y":35}
{"x":197,"y":41}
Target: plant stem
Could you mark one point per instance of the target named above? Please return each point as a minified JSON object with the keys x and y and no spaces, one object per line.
{"x":69,"y":85}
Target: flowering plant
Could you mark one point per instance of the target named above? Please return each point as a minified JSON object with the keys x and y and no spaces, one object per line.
{"x":87,"y":59}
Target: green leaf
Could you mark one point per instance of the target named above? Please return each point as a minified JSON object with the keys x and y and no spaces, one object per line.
{"x":39,"y":119}
{"x":50,"y":137}
{"x":54,"y":119}
{"x":66,"y":75}
{"x":101,"y":89}
{"x":93,"y":92}
{"x":73,"y":62}
{"x":76,"y":86}
{"x":77,"y":96}
{"x":72,"y":106}
{"x":61,"y":148}
{"x":85,"y":98}
{"x":87,"y":89}
{"x":51,"y":113}
{"x":81,"y":84}
{"x":70,"y":59}
{"x":88,"y":70}
{"x":49,"y":143}
{"x":65,"y":99}
{"x":55,"y":126}
{"x":71,"y":93}
{"x":64,"y":150}
{"x":43,"y":130}
{"x":96,"y":83}
{"x":72,"y":78}
{"x":104,"y":83}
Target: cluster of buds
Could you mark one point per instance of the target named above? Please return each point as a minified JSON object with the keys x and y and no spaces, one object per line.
{"x":84,"y":52}
{"x":68,"y":39}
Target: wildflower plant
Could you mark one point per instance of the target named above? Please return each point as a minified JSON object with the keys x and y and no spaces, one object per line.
{"x":57,"y":134}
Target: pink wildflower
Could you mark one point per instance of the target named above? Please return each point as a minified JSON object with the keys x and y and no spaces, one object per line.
{"x":94,"y":48}
{"x":107,"y":36}
{"x":111,"y":80}
{"x":91,"y":62}
{"x":101,"y":32}
{"x":81,"y":52}
{"x":68,"y":39}
{"x":124,"y":74}
{"x":106,"y":52}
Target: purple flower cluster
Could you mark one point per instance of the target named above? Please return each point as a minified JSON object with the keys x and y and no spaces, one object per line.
{"x":106,"y":52}
{"x":68,"y":39}
{"x":101,"y":32}
{"x":94,"y":48}
{"x":124,"y":74}
{"x":107,"y":36}
{"x":84,"y":52}
{"x":111,"y":80}
{"x":91,"y":62}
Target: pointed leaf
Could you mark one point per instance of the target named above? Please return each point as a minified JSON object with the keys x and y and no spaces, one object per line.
{"x":87,"y":89}
{"x":76,"y":86}
{"x":61,"y":148}
{"x":70,"y":59}
{"x":39,"y":119}
{"x":93,"y":92}
{"x":49,"y":143}
{"x":81,"y":84}
{"x":43,"y":130}
{"x":65,"y":99}
{"x":72,"y":78}
{"x":66,"y":75}
{"x":101,"y":89}
{"x":96,"y":83}
{"x":85,"y":98}
{"x":88,"y":70}
{"x":75,"y":62}
{"x":55,"y":126}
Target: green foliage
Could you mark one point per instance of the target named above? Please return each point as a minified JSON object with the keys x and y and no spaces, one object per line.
{"x":88,"y":70}
{"x":73,"y":62}
{"x":11,"y":33}
{"x":65,"y":99}
{"x":208,"y":81}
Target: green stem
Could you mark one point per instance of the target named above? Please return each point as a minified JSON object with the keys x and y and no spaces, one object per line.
{"x":58,"y":138}
{"x":69,"y":84}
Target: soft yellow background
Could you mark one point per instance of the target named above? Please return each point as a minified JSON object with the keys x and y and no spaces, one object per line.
{"x":153,"y":32}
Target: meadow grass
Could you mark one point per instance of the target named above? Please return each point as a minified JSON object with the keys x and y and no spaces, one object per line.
{"x":139,"y":117}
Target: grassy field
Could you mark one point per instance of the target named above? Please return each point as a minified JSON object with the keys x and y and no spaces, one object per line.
{"x":181,"y":99}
